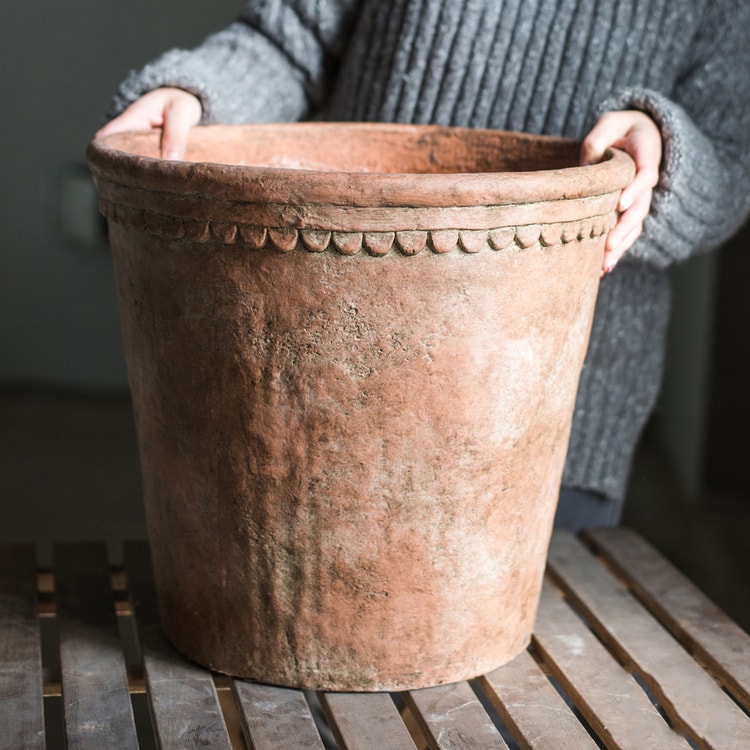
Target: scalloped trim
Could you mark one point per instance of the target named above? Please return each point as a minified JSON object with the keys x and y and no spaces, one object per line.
{"x":376,"y":244}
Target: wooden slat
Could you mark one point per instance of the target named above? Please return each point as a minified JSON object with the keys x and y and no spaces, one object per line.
{"x":605,"y":694}
{"x":706,"y":631}
{"x":184,"y":704}
{"x":274,"y":717}
{"x":690,"y":697}
{"x":97,"y":710}
{"x":452,"y":718}
{"x":366,"y":721}
{"x":532,"y":709}
{"x":21,"y":694}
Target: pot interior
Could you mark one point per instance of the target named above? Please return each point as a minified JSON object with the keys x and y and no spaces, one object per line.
{"x":368,"y":148}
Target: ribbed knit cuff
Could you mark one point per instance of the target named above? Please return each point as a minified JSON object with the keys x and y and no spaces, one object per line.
{"x":696,"y":205}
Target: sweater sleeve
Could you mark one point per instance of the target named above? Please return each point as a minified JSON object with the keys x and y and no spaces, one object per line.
{"x":273,"y":64}
{"x":703,"y":195}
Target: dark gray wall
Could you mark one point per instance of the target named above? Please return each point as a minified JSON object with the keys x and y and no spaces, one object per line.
{"x":60,"y":63}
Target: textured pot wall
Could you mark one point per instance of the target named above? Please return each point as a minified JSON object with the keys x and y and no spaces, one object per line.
{"x":351,"y":443}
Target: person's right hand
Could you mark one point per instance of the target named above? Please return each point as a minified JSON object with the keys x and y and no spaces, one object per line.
{"x":173,"y":110}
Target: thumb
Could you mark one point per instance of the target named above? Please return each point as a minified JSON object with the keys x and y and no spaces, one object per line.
{"x":597,"y":141}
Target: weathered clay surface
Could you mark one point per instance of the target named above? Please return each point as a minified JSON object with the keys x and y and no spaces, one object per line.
{"x":353,"y":382}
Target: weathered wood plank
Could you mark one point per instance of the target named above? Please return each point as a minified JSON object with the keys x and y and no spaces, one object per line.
{"x":21,"y":694}
{"x":688,"y":695}
{"x":184,"y":704}
{"x":452,"y":718}
{"x":97,"y":711}
{"x":275,"y":717}
{"x":704,"y":629}
{"x":532,"y":709}
{"x":366,"y":721}
{"x":607,"y":696}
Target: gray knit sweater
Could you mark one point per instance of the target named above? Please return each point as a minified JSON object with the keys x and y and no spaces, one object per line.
{"x":542,"y":66}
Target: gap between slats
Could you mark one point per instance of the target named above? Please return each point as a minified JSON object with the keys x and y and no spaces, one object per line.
{"x":695,"y":704}
{"x":723,"y":648}
{"x":137,"y":683}
{"x":128,"y":639}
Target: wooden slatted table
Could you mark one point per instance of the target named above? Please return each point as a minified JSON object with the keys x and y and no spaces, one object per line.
{"x":627,"y":653}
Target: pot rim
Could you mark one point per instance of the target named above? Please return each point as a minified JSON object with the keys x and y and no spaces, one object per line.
{"x":109,"y":161}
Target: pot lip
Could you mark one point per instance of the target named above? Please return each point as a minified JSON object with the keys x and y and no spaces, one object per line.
{"x":253,"y":184}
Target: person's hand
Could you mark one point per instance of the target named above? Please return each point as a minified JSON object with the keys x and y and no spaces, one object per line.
{"x":173,"y":110}
{"x":638,"y":135}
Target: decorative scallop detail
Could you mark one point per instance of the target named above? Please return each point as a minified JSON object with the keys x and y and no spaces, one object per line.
{"x":315,"y":240}
{"x":411,"y":242}
{"x":173,"y":228}
{"x":284,"y":240}
{"x":444,"y":240}
{"x":137,"y":217}
{"x":224,"y":231}
{"x":597,"y":226}
{"x":347,"y":243}
{"x":569,"y":233}
{"x":408,"y":242}
{"x":550,"y":234}
{"x":472,"y":240}
{"x":527,"y":236}
{"x":379,"y":243}
{"x":126,"y":215}
{"x":153,"y":223}
{"x":500,"y":239}
{"x":198,"y":231}
{"x":253,"y":237}
{"x":109,"y":210}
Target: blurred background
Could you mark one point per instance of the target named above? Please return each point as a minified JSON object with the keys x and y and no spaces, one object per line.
{"x":68,"y":459}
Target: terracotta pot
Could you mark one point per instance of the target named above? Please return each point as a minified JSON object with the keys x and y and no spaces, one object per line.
{"x":353,"y":353}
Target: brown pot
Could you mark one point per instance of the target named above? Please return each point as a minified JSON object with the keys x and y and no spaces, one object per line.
{"x":353,"y":353}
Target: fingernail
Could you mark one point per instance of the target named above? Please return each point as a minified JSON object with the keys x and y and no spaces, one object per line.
{"x":608,"y":264}
{"x":625,"y":202}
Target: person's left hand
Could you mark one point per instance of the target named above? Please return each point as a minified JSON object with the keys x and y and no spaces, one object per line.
{"x":638,"y":135}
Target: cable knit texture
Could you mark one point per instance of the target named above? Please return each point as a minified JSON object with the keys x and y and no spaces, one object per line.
{"x":541,"y":66}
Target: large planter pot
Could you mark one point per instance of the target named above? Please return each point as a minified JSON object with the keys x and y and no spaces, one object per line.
{"x":353,"y":353}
